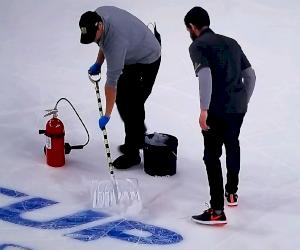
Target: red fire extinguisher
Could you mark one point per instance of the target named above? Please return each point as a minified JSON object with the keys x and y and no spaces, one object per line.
{"x":55,"y":141}
{"x":56,"y":148}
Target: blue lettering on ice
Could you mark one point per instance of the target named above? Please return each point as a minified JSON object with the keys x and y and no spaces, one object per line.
{"x":119,"y":229}
{"x":11,"y":193}
{"x":4,"y":246}
{"x":13,"y":214}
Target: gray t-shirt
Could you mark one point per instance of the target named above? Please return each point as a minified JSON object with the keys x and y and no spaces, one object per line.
{"x":126,"y":40}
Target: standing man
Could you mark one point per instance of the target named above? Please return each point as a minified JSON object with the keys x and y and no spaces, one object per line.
{"x":226,"y":83}
{"x":132,"y":54}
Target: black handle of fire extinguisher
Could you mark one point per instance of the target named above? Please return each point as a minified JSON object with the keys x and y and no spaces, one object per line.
{"x":42,"y":131}
{"x":68,"y":147}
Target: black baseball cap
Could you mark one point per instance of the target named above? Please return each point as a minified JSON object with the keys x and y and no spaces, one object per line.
{"x":88,"y":24}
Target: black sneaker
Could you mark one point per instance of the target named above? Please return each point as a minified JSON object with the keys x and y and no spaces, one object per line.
{"x":127,"y":161}
{"x":232,"y":199}
{"x":210,"y":217}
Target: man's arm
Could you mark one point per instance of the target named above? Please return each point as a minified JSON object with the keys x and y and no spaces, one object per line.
{"x":115,"y":59}
{"x":110,"y":97}
{"x":205,"y":89}
{"x":100,"y":57}
{"x":249,"y":79}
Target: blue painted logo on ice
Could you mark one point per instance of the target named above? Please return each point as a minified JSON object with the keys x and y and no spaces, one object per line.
{"x":13,"y":246}
{"x":120,"y":229}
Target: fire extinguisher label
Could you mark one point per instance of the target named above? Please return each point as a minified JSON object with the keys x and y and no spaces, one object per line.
{"x":48,"y":142}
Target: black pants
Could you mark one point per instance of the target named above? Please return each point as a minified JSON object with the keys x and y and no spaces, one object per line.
{"x":134,"y":86}
{"x":224,"y":129}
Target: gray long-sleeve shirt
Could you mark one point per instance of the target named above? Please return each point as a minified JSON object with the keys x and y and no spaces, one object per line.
{"x":126,"y":40}
{"x":205,"y":85}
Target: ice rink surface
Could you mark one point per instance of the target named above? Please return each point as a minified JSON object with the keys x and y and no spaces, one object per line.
{"x":42,"y":60}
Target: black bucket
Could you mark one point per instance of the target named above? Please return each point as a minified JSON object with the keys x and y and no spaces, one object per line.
{"x":160,"y":160}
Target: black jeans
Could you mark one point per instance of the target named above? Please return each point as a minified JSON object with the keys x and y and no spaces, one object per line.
{"x":224,"y":129}
{"x":134,"y":86}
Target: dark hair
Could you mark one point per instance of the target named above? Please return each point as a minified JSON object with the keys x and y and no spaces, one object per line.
{"x":198,"y":17}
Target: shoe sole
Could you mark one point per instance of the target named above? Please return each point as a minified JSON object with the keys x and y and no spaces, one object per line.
{"x":232,"y":204}
{"x":223,"y":222}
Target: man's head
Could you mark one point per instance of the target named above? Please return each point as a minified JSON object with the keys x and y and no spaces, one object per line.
{"x":89,"y":24}
{"x":195,"y":20}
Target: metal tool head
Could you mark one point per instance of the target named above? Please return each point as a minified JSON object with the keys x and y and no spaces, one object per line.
{"x":126,"y":200}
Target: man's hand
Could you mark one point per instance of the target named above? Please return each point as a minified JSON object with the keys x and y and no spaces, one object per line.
{"x":103,"y":121}
{"x":95,"y":69}
{"x":202,"y":120}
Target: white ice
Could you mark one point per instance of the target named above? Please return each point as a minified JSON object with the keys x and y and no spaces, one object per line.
{"x":42,"y":60}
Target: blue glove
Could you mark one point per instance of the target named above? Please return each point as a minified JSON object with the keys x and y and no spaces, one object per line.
{"x":95,"y":69}
{"x":103,"y":120}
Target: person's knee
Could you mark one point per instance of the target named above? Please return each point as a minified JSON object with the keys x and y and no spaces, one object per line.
{"x":232,"y":146}
{"x":211,"y":158}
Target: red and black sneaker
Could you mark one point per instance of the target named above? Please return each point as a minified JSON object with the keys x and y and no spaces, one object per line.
{"x":232,"y":199}
{"x":210,"y":217}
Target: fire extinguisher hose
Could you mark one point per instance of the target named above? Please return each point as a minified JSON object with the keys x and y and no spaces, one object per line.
{"x":68,"y":147}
